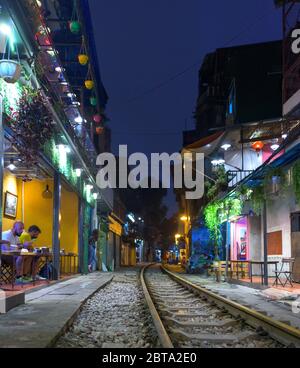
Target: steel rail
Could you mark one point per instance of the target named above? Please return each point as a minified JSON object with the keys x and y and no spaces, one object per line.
{"x":160,"y":329}
{"x":279,"y":331}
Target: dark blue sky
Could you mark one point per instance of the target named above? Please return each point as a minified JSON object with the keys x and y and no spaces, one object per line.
{"x":142,"y":43}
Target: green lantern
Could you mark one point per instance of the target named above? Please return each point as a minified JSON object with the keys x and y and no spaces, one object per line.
{"x":75,"y":26}
{"x":93,"y":101}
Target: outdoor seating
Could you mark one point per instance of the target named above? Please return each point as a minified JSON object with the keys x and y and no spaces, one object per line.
{"x":286,"y":270}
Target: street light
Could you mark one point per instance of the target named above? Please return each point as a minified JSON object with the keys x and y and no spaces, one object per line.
{"x":184,"y":218}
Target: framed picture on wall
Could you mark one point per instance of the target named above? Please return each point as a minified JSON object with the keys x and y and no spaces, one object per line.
{"x":10,"y":205}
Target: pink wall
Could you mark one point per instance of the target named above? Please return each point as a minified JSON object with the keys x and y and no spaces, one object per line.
{"x":239,"y":229}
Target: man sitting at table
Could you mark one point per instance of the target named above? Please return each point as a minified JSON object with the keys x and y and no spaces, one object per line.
{"x":31,"y":264}
{"x":11,"y":241}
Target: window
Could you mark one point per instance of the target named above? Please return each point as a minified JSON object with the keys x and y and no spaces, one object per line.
{"x":295,"y":221}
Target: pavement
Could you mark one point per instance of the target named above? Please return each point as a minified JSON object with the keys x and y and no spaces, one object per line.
{"x":48,"y":312}
{"x":281,"y":305}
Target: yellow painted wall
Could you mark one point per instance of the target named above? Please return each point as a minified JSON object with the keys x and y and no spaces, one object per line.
{"x":12,"y":185}
{"x":69,"y":221}
{"x":38,"y":210}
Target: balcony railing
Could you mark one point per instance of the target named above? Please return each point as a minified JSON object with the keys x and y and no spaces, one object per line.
{"x":235,"y":176}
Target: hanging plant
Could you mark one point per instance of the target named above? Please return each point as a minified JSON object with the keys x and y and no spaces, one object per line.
{"x":83,"y":57}
{"x":296,"y":180}
{"x":74,"y":24}
{"x":93,"y":101}
{"x":258,"y":198}
{"x":97,"y":118}
{"x":10,"y":70}
{"x":277,"y":179}
{"x":32,"y":126}
{"x":99,"y":130}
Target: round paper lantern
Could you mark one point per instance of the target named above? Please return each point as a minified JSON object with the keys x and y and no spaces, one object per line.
{"x":74,"y":26}
{"x":89,"y":84}
{"x":99,"y":130}
{"x":93,"y":101}
{"x":257,"y":146}
{"x":83,"y":59}
{"x":97,"y":118}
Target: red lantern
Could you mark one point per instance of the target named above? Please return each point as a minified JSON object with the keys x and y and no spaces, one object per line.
{"x":97,"y":118}
{"x":257,"y":146}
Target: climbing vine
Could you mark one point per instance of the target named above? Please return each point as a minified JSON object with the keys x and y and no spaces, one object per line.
{"x":296,"y":180}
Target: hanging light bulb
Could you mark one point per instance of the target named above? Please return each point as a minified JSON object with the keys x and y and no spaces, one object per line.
{"x":11,"y":166}
{"x":47,"y":194}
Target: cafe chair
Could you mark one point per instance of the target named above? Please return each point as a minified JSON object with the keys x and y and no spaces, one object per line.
{"x":286,"y":270}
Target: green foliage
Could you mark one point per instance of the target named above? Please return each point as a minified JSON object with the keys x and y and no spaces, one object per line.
{"x":220,"y":184}
{"x":218,"y":212}
{"x":276,"y":172}
{"x":296,"y":180}
{"x":258,"y":198}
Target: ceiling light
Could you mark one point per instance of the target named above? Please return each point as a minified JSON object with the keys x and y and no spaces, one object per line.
{"x":284,"y":136}
{"x":226,"y":146}
{"x":78,"y":119}
{"x":11,"y":165}
{"x":275,"y":146}
{"x":218,"y":162}
{"x":5,"y":29}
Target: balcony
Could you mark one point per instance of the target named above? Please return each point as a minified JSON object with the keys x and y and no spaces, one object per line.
{"x":235,"y":176}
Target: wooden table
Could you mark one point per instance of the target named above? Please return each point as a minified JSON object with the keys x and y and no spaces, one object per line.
{"x":8,"y":268}
{"x":261,"y":264}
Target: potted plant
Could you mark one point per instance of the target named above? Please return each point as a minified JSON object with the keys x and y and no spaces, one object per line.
{"x":10,"y":70}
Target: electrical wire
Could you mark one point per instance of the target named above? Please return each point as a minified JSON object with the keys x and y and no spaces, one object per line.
{"x":191,"y":67}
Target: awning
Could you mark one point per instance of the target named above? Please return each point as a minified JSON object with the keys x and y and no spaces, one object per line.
{"x":205,"y":145}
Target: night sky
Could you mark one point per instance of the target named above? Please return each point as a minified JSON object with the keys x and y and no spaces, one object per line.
{"x":145,"y":43}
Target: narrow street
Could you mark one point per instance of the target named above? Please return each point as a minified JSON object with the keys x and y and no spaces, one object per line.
{"x":149,"y":179}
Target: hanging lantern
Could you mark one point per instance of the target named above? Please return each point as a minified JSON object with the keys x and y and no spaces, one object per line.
{"x":75,"y":26}
{"x":99,"y":130}
{"x":89,"y":84}
{"x":83,"y":59}
{"x":257,"y":146}
{"x":97,"y":118}
{"x":93,"y":101}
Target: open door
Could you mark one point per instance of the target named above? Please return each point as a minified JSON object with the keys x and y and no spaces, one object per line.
{"x":295,"y":241}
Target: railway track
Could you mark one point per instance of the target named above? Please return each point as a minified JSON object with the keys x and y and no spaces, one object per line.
{"x":188,"y":316}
